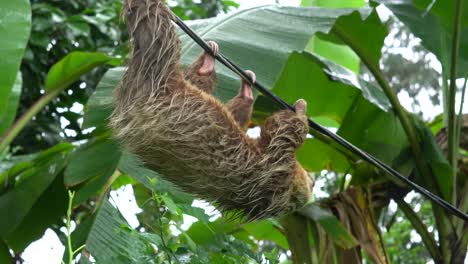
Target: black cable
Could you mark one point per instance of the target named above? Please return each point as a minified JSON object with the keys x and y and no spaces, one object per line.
{"x":343,"y":142}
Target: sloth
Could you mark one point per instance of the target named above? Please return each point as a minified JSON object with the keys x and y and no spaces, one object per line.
{"x":169,"y":117}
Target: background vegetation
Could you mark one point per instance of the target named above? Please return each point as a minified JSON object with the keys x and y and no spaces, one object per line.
{"x":62,"y":59}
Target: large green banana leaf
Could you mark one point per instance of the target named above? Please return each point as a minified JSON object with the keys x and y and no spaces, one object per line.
{"x":432,"y":22}
{"x":260,"y":39}
{"x":14,"y":34}
{"x":8,"y":115}
{"x":22,"y":207}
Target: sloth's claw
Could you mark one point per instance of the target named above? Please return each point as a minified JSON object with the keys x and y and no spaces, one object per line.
{"x":214,"y":47}
{"x":300,"y":106}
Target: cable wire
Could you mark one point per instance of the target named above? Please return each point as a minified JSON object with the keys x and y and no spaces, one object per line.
{"x":312,"y":124}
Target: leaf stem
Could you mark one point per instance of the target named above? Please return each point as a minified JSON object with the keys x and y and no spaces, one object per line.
{"x":297,"y":234}
{"x":460,"y":117}
{"x":71,"y":252}
{"x":19,"y":125}
{"x":71,"y":195}
{"x":419,"y":226}
{"x":452,"y":92}
{"x":105,"y":189}
{"x":445,"y":89}
{"x":445,"y":85}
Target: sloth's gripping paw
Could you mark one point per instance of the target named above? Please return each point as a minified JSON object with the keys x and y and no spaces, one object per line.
{"x":301,"y":107}
{"x":246,"y":88}
{"x":214,"y":47}
{"x":208,"y":65}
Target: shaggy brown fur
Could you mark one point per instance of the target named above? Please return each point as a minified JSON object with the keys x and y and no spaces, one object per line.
{"x":181,"y":131}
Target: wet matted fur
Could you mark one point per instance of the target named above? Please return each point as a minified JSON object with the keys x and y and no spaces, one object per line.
{"x":189,"y":137}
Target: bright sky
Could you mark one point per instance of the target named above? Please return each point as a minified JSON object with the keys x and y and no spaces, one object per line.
{"x":48,"y":249}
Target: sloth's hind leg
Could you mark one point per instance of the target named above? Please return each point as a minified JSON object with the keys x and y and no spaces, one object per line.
{"x":202,"y":72}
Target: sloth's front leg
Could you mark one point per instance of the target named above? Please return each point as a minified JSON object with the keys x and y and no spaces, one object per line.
{"x":241,"y":106}
{"x":202,"y":72}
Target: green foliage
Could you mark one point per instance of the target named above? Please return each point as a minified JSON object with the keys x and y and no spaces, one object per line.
{"x":340,"y":54}
{"x":14,"y":33}
{"x":433,"y":27}
{"x":338,"y":94}
{"x":5,"y":255}
{"x":8,"y":115}
{"x":59,"y":28}
{"x":331,"y":225}
{"x":409,"y":74}
{"x":70,"y":68}
{"x":127,"y":246}
{"x":71,"y":252}
{"x":27,"y":191}
{"x":353,"y":31}
{"x":82,"y":162}
{"x":334,"y":3}
{"x":47,"y":211}
{"x":400,"y":235}
{"x":100,"y":104}
{"x":289,"y":35}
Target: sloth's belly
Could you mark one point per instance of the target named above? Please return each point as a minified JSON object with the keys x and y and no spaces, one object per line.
{"x":196,"y":165}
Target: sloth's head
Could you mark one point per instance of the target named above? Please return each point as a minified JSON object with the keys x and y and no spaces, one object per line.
{"x":302,"y":185}
{"x":275,"y":198}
